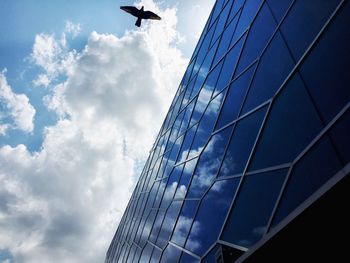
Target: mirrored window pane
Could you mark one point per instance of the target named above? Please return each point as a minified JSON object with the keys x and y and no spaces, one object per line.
{"x":291,"y":125}
{"x":275,"y":65}
{"x":171,"y":255}
{"x":326,"y":69}
{"x":241,"y":144}
{"x":184,"y":222}
{"x":212,"y":212}
{"x":261,"y":31}
{"x":279,"y":7}
{"x":234,"y":98}
{"x":252,"y":208}
{"x":305,"y":21}
{"x":310,"y":173}
{"x":209,"y":163}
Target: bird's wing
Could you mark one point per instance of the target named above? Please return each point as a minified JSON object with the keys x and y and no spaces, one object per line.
{"x":130,"y":9}
{"x":150,"y":15}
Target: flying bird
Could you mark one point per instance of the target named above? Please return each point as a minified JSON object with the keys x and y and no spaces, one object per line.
{"x":140,"y":14}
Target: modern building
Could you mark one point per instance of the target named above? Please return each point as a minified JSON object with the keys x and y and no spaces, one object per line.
{"x":254,"y":152}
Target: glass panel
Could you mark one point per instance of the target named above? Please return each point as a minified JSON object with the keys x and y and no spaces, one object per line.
{"x":308,"y":175}
{"x":156,"y":256}
{"x":275,"y":65}
{"x":185,"y":179}
{"x":147,"y":228}
{"x":205,"y":94}
{"x":234,"y":98}
{"x":186,"y":258}
{"x":252,"y":208}
{"x":279,"y":7}
{"x":249,"y":11}
{"x":204,"y":49}
{"x":168,"y":224}
{"x":203,"y":72}
{"x":237,"y":4}
{"x":184,"y":222}
{"x":186,"y":145}
{"x":229,"y":66}
{"x":225,"y":40}
{"x":209,"y":163}
{"x":305,"y":20}
{"x":146,"y":254}
{"x":241,"y":143}
{"x":326,"y":71}
{"x":222,"y":21}
{"x":206,"y":125}
{"x":186,"y":118}
{"x":157,"y":225}
{"x":137,"y":256}
{"x":291,"y":125}
{"x":223,"y":253}
{"x":340,"y":136}
{"x":212,"y":212}
{"x":171,"y":186}
{"x":259,"y":34}
{"x":171,"y":255}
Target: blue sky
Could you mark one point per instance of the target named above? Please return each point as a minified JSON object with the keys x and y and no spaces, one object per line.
{"x":71,"y":112}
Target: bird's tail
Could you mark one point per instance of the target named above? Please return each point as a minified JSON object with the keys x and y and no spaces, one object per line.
{"x":138,"y":22}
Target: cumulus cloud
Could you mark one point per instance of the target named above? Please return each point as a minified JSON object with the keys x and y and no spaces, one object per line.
{"x":63,"y":203}
{"x":15,"y":106}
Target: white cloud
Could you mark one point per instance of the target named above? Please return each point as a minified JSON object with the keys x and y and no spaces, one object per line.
{"x":73,"y":29}
{"x":63,"y":203}
{"x":16,"y":106}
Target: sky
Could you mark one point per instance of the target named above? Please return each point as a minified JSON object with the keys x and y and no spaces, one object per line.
{"x":83,"y":93}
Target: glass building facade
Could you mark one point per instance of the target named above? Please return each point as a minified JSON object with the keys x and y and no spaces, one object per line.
{"x":259,"y":124}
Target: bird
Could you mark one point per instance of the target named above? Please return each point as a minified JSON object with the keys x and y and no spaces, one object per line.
{"x":140,"y":14}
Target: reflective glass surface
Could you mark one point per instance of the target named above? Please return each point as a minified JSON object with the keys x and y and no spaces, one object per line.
{"x":259,"y":123}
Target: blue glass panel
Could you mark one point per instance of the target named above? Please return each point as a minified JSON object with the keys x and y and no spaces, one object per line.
{"x":186,"y":258}
{"x":157,"y":225}
{"x":216,"y":11}
{"x":310,"y":173}
{"x":171,"y":186}
{"x":204,"y":69}
{"x":185,"y":148}
{"x":326,"y":71}
{"x":168,"y":223}
{"x":184,"y":222}
{"x":259,"y":34}
{"x":205,"y":94}
{"x":275,"y":65}
{"x":185,"y":179}
{"x":234,"y":98}
{"x":237,"y":4}
{"x":225,"y":40}
{"x":204,"y":49}
{"x":206,"y":125}
{"x":156,"y":256}
{"x":305,"y":21}
{"x":340,"y":136}
{"x":229,"y":66}
{"x":171,"y":255}
{"x":253,"y":206}
{"x":209,"y":163}
{"x":291,"y":125}
{"x":249,"y":11}
{"x":212,"y":212}
{"x":241,"y":143}
{"x":279,"y":7}
{"x":147,"y":228}
{"x":222,"y":21}
{"x":146,"y":254}
{"x":137,"y":256}
{"x":160,"y":193}
{"x":186,"y":118}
